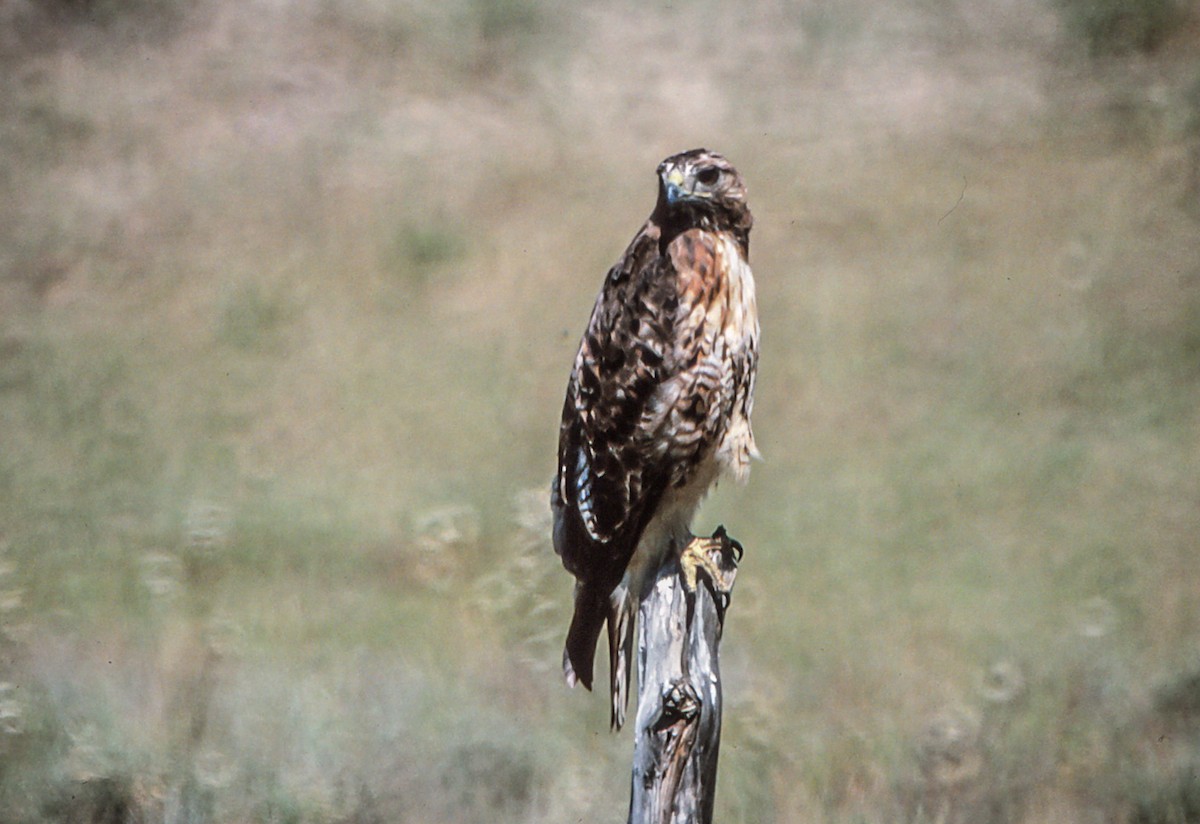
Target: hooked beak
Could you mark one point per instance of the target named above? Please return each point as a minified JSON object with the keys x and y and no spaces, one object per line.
{"x":674,"y":187}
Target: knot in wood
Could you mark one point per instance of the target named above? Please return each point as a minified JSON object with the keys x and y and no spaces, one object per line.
{"x":679,"y":703}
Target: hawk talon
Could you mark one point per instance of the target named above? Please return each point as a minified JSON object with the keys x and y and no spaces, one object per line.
{"x":735,"y":546}
{"x":722,"y":602}
{"x":717,"y":557}
{"x":732,"y":544}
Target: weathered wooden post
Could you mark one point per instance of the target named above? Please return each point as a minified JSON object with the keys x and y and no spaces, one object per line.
{"x":678,"y":731}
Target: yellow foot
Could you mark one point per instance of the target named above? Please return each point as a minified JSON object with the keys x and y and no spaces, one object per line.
{"x":717,"y":557}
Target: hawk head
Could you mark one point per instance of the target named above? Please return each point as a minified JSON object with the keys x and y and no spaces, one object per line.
{"x":702,"y":187}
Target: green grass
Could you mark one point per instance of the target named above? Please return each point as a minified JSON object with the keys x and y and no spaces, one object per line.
{"x":283,"y":337}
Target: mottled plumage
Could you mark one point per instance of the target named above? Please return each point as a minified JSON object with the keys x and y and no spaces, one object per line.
{"x":658,"y":404}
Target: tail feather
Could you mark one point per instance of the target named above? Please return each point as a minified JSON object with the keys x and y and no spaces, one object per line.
{"x":592,"y":611}
{"x":579,"y":655}
{"x":620,"y":651}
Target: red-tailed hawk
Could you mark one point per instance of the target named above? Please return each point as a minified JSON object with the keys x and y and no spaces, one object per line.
{"x":658,"y":405}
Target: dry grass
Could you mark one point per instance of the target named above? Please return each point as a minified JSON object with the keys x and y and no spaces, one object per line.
{"x":283,"y":335}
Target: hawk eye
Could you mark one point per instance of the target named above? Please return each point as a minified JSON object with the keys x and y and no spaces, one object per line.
{"x":708,"y":176}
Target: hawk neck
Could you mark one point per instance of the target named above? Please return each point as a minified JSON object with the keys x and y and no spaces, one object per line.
{"x":673,"y":221}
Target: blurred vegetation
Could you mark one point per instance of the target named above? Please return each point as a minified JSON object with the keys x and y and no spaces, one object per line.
{"x":1116,"y":27}
{"x":284,"y":331}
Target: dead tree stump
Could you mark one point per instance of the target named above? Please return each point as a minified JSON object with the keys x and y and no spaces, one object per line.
{"x":678,"y":731}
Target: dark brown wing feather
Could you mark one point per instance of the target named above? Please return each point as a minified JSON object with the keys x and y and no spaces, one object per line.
{"x":604,"y":489}
{"x":605,"y":492}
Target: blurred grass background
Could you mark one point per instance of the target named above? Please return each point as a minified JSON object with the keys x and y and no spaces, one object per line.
{"x":288,"y":297}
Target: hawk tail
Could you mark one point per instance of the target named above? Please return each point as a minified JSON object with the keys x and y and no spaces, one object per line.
{"x":592,"y":610}
{"x":579,"y":655}
{"x":620,"y":651}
